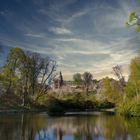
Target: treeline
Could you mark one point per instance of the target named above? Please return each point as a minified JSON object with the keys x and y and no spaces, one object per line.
{"x":26,"y":75}
{"x":109,"y":88}
{"x":84,"y":79}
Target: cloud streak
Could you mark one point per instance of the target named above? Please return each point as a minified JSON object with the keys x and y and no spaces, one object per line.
{"x":58,"y":30}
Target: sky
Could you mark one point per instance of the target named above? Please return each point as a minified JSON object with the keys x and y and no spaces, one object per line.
{"x":82,"y":35}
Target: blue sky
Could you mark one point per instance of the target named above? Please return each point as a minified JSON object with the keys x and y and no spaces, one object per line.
{"x":83,"y":35}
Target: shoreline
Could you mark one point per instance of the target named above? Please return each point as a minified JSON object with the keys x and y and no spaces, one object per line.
{"x":22,"y":111}
{"x":70,"y":112}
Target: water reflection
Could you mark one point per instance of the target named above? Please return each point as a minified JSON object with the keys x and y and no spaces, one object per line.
{"x":42,"y":127}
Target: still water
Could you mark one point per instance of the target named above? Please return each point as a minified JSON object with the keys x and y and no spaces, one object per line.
{"x":85,"y":127}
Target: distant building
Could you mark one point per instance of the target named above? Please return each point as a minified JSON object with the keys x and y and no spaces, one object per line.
{"x":70,"y":86}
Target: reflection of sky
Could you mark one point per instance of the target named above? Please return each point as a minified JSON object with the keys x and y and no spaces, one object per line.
{"x":84,"y":35}
{"x":48,"y":135}
{"x":98,"y":138}
{"x":44,"y":135}
{"x":68,"y":137}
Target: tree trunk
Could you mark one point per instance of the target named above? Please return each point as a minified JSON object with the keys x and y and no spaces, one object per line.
{"x":9,"y":86}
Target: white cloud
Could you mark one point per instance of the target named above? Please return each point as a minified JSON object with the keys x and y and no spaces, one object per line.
{"x":58,"y":30}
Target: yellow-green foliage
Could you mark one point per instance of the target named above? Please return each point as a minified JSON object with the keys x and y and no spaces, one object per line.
{"x":111,"y":90}
{"x":133,"y":20}
{"x":132,"y":15}
{"x":75,"y":102}
{"x":133,"y":85}
{"x":130,"y":90}
{"x":131,"y":107}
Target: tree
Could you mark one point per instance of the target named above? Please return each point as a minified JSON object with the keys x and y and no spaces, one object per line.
{"x":110,"y":90}
{"x":9,"y":71}
{"x":61,"y":82}
{"x":118,"y":73}
{"x":133,"y":86}
{"x":28,"y":73}
{"x":46,"y":76}
{"x":77,"y":78}
{"x":87,"y":79}
{"x":36,"y":63}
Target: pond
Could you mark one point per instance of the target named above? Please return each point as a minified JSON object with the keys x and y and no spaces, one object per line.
{"x":98,"y":126}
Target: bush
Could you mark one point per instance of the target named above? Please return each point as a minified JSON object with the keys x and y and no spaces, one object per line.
{"x":75,"y":102}
{"x":79,"y":102}
{"x":106,"y":104}
{"x":54,"y":107}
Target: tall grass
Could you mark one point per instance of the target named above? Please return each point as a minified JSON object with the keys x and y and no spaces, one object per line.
{"x":131,"y":107}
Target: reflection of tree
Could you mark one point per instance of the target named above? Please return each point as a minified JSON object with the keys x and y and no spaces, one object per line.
{"x":20,"y":127}
{"x":133,"y":126}
{"x":88,"y":128}
{"x":40,"y":127}
{"x":9,"y":128}
{"x":112,"y":127}
{"x":26,"y":129}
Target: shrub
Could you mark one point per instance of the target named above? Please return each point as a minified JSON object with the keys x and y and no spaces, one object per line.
{"x":106,"y":104}
{"x":79,"y":102}
{"x":54,"y":107}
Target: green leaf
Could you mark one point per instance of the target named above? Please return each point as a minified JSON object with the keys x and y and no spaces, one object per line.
{"x":132,"y":15}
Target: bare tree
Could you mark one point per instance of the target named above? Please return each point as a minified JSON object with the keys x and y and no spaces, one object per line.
{"x":118,"y":73}
{"x":36,"y":63}
{"x":46,"y":76}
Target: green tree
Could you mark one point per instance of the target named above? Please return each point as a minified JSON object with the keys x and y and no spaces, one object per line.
{"x":27,"y":74}
{"x":133,"y":86}
{"x":9,"y":71}
{"x":77,"y":78}
{"x":111,"y":90}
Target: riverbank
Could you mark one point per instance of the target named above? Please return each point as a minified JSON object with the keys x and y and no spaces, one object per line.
{"x":67,"y":113}
{"x":59,"y":106}
{"x":21,"y":111}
